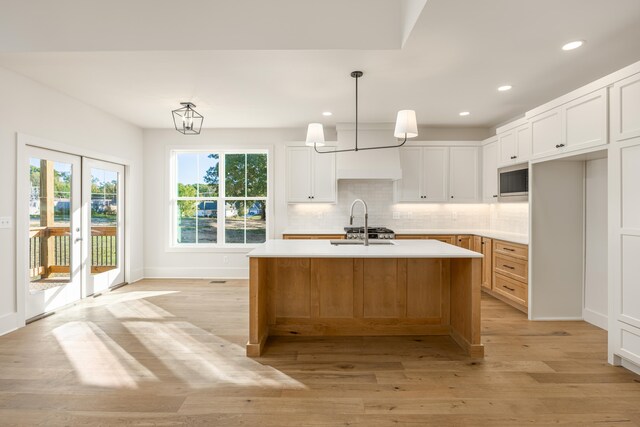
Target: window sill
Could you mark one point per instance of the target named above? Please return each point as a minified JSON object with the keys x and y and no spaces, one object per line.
{"x":212,"y":248}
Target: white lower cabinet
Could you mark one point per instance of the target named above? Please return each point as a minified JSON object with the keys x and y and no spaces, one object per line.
{"x":438,"y":174}
{"x":311,"y":177}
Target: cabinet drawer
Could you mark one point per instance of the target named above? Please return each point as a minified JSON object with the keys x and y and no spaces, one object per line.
{"x":512,"y":249}
{"x":512,"y":267}
{"x":512,"y":289}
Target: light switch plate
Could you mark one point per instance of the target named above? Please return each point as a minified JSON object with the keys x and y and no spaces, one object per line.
{"x":396,"y":215}
{"x":5,"y":222}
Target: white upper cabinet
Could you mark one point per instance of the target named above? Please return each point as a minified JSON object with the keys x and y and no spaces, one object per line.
{"x":311,"y":177}
{"x":625,"y":108}
{"x":424,"y":174}
{"x":585,"y":121}
{"x":463,"y":174}
{"x":490,"y":172}
{"x":515,"y":145}
{"x":435,"y":167}
{"x":546,"y":133}
{"x":576,"y":125}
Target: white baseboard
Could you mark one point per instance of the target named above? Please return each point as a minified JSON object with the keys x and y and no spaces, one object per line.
{"x":195,"y":273}
{"x":631,"y":366}
{"x":9,"y":323}
{"x":557,"y":319}
{"x":595,"y":318}
{"x":136,"y":275}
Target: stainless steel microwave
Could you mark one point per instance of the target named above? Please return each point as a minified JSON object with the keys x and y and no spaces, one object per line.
{"x":513,"y":183}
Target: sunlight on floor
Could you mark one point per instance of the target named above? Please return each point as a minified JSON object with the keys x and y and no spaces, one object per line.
{"x":137,"y":309}
{"x":97,"y":359}
{"x":119,"y":297}
{"x":205,"y":364}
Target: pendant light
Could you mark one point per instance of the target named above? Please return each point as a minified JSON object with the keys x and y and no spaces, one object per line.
{"x":406,"y":127}
{"x":187,"y":120}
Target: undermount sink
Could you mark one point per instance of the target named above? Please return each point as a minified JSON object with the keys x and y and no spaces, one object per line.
{"x":360,"y":242}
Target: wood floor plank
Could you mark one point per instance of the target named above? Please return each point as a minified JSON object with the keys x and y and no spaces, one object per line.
{"x":171,"y":352}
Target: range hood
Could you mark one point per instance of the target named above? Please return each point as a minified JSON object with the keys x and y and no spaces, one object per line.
{"x":367,"y":164}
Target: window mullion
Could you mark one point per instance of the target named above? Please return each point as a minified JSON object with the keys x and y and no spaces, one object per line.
{"x":222,"y":191}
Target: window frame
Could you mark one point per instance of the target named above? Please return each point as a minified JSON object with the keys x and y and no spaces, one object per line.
{"x":172,"y":199}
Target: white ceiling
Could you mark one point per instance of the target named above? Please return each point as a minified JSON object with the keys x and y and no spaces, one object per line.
{"x":248,"y":65}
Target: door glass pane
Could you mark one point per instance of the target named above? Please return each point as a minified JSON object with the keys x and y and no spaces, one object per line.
{"x":49,"y":224}
{"x":104,"y":220}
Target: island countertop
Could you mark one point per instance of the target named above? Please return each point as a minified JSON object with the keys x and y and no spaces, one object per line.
{"x":324,"y":249}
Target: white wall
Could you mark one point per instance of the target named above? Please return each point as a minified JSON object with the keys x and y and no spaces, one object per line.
{"x":230,"y":263}
{"x":161,"y":261}
{"x":595,"y":281}
{"x":30,"y":108}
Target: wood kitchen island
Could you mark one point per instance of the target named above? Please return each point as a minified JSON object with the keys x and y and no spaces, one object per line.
{"x":408,"y":287}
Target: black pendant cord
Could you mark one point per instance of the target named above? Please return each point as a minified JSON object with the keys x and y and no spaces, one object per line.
{"x":356,"y":75}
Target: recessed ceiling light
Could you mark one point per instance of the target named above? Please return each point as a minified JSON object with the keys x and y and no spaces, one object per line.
{"x":465,"y":113}
{"x":327,"y":113}
{"x":505,"y":88}
{"x":573,"y":45}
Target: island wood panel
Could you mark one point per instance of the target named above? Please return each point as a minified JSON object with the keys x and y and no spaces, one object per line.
{"x":332,"y":286}
{"x":380,"y":289}
{"x":346,"y":296}
{"x":428,"y":289}
{"x":292,"y":287}
{"x":465,"y":304}
{"x":258,"y":306}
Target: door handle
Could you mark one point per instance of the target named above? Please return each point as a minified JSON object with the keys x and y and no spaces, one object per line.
{"x":77,"y":239}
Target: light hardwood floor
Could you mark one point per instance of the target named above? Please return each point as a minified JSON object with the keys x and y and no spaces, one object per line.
{"x":171,"y":352}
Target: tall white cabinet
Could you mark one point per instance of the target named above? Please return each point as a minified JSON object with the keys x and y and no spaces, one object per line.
{"x":624,"y":223}
{"x":311,"y":177}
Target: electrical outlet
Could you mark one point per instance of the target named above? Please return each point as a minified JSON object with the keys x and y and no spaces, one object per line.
{"x":225,"y":259}
{"x":5,"y":222}
{"x":409,"y":215}
{"x":454,"y":216}
{"x":396,"y":215}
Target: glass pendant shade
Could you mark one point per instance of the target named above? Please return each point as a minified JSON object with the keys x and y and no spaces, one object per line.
{"x":406,"y":124}
{"x":187,"y":120}
{"x":315,"y":135}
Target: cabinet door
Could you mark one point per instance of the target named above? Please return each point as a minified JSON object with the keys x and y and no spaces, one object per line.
{"x":464,"y":241}
{"x":409,"y":188}
{"x":523,"y":138}
{"x":435,"y":166}
{"x":586,"y":121}
{"x":487,"y":263}
{"x":490,"y":172}
{"x":625,"y":108}
{"x":298,"y":174}
{"x":546,"y":133}
{"x":508,"y":147}
{"x":324,"y":178}
{"x":463,"y":174}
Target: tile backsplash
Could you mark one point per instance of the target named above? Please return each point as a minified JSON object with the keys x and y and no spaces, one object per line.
{"x":378,"y":194}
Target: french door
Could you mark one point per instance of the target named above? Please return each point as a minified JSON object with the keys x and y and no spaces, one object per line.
{"x":55,"y":231}
{"x":103,"y":248}
{"x":76,"y":229}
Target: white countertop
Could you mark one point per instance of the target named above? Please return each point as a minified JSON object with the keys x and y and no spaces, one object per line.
{"x":324,"y":249}
{"x":493,"y":234}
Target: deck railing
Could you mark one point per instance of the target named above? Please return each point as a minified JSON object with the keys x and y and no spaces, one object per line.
{"x":103,"y":250}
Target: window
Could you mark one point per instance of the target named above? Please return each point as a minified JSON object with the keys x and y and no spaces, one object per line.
{"x":219,"y":198}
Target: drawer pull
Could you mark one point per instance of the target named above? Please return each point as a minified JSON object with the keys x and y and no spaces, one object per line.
{"x":506,"y":287}
{"x":508,"y":249}
{"x":508,"y":266}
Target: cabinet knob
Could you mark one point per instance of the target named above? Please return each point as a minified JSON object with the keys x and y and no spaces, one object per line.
{"x":559,"y":145}
{"x":452,"y":197}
